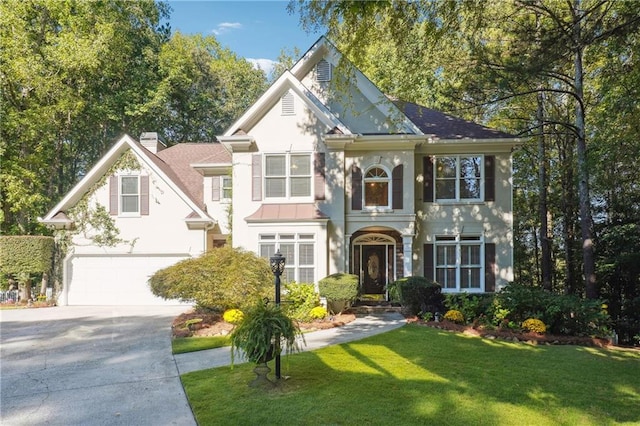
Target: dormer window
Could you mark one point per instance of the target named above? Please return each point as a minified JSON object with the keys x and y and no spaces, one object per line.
{"x":323,"y":71}
{"x":376,"y":187}
{"x":287,"y":104}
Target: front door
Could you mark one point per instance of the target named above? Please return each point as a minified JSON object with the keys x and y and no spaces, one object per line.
{"x":374,"y":268}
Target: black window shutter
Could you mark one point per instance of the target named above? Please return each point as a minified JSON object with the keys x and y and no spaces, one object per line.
{"x":319,"y":175}
{"x":427,"y":171}
{"x":113,"y":195}
{"x":428,"y":262}
{"x":397,"y":189}
{"x":356,"y":188}
{"x":256,"y":177}
{"x":144,"y":195}
{"x":489,"y":178}
{"x":490,"y":267}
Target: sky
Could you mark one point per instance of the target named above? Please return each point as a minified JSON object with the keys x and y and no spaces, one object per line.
{"x":255,"y":30}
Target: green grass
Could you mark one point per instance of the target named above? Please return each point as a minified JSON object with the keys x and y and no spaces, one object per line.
{"x":191,"y":344}
{"x":417,"y":375}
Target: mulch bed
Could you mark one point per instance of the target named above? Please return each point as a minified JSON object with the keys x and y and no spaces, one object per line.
{"x":512,"y":336}
{"x":212,"y":324}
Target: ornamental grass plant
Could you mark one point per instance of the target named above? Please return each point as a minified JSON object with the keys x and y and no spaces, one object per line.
{"x":419,"y":375}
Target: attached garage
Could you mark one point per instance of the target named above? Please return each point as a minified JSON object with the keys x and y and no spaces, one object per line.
{"x":114,"y":280}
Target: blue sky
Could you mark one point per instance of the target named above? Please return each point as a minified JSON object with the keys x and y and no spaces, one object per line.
{"x":255,"y":30}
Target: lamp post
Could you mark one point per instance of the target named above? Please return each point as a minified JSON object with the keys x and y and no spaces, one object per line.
{"x":277,"y":262}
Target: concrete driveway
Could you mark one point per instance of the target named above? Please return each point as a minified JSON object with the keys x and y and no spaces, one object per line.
{"x":90,"y":365}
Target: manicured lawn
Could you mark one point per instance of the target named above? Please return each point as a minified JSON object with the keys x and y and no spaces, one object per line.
{"x":192,"y":344}
{"x":417,"y":375}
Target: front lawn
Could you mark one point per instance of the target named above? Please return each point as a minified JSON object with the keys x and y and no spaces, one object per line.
{"x":418,"y":375}
{"x":180,"y":345}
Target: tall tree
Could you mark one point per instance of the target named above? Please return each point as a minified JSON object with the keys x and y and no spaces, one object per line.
{"x":203,"y":87}
{"x":69,"y":72}
{"x":504,"y":46}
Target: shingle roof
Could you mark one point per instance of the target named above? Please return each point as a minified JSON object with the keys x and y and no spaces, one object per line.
{"x":180,"y":157}
{"x":445,"y":126}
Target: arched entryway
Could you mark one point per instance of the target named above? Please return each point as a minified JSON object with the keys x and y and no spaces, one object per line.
{"x":375,"y":256}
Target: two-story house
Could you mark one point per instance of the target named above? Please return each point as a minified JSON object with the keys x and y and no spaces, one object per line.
{"x":323,"y":167}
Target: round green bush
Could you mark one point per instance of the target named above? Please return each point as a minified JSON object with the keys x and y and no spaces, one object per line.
{"x":221,"y":279}
{"x":339,"y":287}
{"x":417,"y":295}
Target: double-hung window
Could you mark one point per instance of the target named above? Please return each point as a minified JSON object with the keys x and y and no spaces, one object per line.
{"x":287,"y":175}
{"x":458,"y":263}
{"x":129,"y":195}
{"x":226,"y":187}
{"x":299,"y":251}
{"x":458,"y":178}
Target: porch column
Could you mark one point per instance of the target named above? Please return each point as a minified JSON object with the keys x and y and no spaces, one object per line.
{"x":407,"y":251}
{"x":347,"y":253}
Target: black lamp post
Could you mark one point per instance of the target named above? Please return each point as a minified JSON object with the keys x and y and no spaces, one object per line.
{"x":277,"y":262}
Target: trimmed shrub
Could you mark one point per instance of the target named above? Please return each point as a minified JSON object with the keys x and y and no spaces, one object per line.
{"x":233,"y":316}
{"x":454,"y":316}
{"x":417,"y":295}
{"x":300,"y":300}
{"x":340,"y":290}
{"x":562,"y":314}
{"x":534,"y":325}
{"x":472,"y":306}
{"x":26,"y":254}
{"x":220,"y":279}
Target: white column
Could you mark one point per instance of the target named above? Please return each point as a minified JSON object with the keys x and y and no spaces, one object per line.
{"x":347,"y":253}
{"x":407,"y":251}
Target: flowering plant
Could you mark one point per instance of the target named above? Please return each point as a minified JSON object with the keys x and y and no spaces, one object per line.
{"x":319,"y":312}
{"x":233,"y":316}
{"x":454,"y":316}
{"x":535,"y":325}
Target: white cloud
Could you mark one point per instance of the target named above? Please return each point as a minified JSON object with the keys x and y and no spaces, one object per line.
{"x":224,"y":27}
{"x":265,"y":65}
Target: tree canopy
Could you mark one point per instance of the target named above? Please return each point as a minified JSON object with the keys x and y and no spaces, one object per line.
{"x":561,"y":74}
{"x":76,"y":75}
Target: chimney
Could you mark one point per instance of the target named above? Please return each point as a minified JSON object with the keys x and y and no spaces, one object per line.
{"x":151,"y":141}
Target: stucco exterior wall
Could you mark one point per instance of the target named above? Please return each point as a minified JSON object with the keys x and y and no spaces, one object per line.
{"x":162,"y":231}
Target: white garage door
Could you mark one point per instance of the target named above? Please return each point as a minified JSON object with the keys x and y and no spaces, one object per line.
{"x":115,"y":280}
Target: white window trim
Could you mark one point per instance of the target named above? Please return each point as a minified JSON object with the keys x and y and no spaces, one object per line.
{"x":288,"y":176}
{"x":457,"y":198}
{"x":224,"y":199}
{"x":458,"y":241}
{"x":276,"y":239}
{"x":120,"y":195}
{"x":388,"y":181}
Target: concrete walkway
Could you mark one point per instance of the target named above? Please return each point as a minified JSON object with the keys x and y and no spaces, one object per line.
{"x":363,"y":326}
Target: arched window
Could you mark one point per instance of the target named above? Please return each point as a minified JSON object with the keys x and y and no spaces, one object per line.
{"x":376,"y":187}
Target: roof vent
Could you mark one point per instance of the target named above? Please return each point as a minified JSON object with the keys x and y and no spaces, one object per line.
{"x":323,"y":71}
{"x":288,"y":107}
